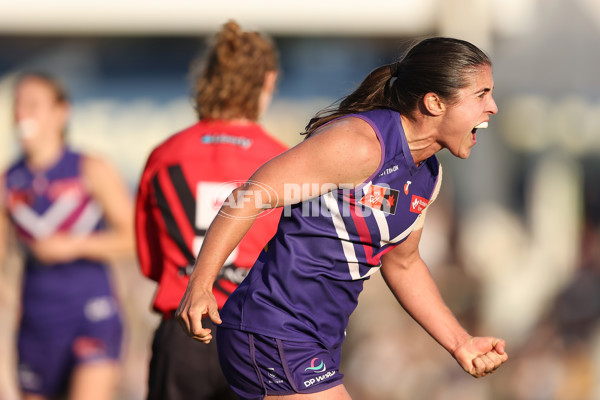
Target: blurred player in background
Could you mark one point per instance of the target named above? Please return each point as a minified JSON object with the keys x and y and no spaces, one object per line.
{"x":185,"y":180}
{"x":72,"y":214}
{"x":370,"y":168}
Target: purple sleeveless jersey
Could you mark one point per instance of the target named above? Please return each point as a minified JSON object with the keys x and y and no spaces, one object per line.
{"x":306,"y":282}
{"x":69,"y":315}
{"x":40,"y":204}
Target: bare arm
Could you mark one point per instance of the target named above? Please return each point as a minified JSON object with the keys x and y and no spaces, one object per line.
{"x":346,"y":152}
{"x":409,"y":279}
{"x":109,"y":190}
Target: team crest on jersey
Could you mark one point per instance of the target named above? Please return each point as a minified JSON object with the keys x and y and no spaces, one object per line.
{"x":381,"y":198}
{"x":418,"y":204}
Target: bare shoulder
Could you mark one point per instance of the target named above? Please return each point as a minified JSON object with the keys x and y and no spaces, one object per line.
{"x":353,"y":135}
{"x":98,"y":171}
{"x":95,"y":164}
{"x":344,"y":152}
{"x":352,"y":127}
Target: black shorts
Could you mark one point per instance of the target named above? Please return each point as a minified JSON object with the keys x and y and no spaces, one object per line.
{"x":183,"y":368}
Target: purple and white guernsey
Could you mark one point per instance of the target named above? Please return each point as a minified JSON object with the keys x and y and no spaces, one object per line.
{"x":43,"y":203}
{"x":306,"y":282}
{"x":69,"y":313}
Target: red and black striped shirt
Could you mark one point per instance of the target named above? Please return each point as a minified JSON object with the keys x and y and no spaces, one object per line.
{"x":180,"y":192}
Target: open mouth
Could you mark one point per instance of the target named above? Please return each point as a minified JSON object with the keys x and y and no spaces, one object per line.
{"x":482,"y":125}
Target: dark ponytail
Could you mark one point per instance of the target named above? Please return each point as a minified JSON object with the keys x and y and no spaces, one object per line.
{"x":439,"y":65}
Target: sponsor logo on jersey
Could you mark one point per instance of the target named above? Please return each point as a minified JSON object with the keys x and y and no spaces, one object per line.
{"x":389,"y":170}
{"x":381,"y":198}
{"x":240,"y":141}
{"x":316,"y":368}
{"x":406,"y":186}
{"x":418,"y":204}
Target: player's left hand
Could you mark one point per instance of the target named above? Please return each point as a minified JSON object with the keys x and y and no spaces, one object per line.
{"x":480,"y":356}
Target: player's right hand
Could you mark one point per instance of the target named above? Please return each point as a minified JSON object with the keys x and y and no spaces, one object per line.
{"x":193,"y":306}
{"x":480,"y":356}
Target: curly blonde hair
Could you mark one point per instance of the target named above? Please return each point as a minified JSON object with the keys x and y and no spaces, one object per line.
{"x":232,"y":72}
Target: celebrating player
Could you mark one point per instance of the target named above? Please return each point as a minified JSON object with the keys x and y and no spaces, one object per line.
{"x":72,"y":213}
{"x":183,"y":185}
{"x":370,"y":170}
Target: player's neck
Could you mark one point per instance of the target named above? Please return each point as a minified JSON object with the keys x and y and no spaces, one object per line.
{"x":241,"y":121}
{"x":234,"y":121}
{"x":421,"y":139}
{"x":45,"y":155}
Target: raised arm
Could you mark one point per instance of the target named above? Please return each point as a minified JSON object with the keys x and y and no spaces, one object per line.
{"x":345,"y":152}
{"x":409,"y":279}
